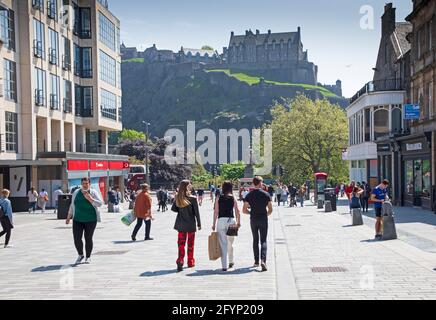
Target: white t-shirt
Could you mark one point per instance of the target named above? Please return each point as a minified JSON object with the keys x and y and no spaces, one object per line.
{"x":57,"y":193}
{"x":43,"y":194}
{"x":32,"y":196}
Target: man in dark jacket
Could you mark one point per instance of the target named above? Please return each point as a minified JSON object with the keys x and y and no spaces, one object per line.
{"x":293,"y":194}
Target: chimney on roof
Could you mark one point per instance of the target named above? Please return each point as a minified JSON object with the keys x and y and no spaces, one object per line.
{"x":388,"y":20}
{"x":299,"y":30}
{"x":232,"y":34}
{"x":246,"y":32}
{"x":257,"y":32}
{"x":269,"y":32}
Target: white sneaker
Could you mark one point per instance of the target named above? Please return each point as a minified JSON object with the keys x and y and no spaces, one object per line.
{"x":88,"y":260}
{"x":79,"y":260}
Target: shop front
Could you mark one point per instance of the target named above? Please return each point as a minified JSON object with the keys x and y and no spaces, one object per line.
{"x":417,"y":173}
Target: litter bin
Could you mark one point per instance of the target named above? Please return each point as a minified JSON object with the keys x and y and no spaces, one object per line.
{"x":330,"y":195}
{"x":64,"y":202}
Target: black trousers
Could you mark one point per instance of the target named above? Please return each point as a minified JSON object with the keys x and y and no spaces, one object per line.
{"x":259,"y":228}
{"x":7,"y":229}
{"x":364,"y":202}
{"x":279,"y":196}
{"x":139,"y":225}
{"x":87,"y":228}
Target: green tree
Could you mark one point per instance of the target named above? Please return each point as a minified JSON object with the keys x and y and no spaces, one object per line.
{"x":206,"y":47}
{"x":232,"y":171}
{"x":131,"y":135}
{"x":308,"y":137}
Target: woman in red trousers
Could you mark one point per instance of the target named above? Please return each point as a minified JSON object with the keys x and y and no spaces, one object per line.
{"x":187,"y":221}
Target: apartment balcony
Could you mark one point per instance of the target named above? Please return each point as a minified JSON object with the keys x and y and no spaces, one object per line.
{"x":84,"y":112}
{"x":379,"y":86}
{"x":66,"y":63}
{"x":67,"y":106}
{"x":51,"y":10}
{"x":39,"y":98}
{"x":37,"y":4}
{"x":53,"y":57}
{"x":54,"y":102}
{"x":38,"y":49}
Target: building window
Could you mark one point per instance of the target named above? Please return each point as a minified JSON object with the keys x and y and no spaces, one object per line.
{"x":408,"y":177}
{"x":108,"y":69}
{"x":11,"y":132}
{"x":68,"y":96}
{"x":107,"y":33}
{"x":54,"y":92}
{"x":430,"y":35}
{"x":118,"y":40}
{"x":83,"y":102}
{"x":38,"y":5}
{"x":52,"y":9}
{"x":397,"y":120}
{"x":426,"y":178}
{"x":381,"y":123}
{"x":82,"y":62}
{"x":38,"y":39}
{"x":40,"y":87}
{"x":367,"y":125}
{"x":108,"y":103}
{"x":10,"y":81}
{"x":66,"y":58}
{"x":54,"y":46}
{"x":120,"y":109}
{"x":119,"y":75}
{"x":7,"y":28}
{"x":82,"y":22}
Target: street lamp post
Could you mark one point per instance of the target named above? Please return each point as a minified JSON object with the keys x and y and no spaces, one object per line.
{"x":147,"y":173}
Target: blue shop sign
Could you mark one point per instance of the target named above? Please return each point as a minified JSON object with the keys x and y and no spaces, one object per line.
{"x":412,"y":112}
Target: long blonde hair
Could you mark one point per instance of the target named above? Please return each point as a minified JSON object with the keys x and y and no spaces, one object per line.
{"x":183,"y":194}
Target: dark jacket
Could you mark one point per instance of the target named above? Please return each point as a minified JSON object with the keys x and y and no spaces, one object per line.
{"x":187,"y":217}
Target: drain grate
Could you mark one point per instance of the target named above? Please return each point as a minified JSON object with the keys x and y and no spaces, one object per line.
{"x":293,"y":225}
{"x":328,"y":269}
{"x":110,"y":253}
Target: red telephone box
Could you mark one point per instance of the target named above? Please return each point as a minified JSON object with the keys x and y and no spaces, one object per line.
{"x":320,"y":185}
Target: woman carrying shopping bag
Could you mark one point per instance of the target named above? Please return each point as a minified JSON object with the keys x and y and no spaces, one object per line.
{"x":225,"y":209}
{"x":187,"y":221}
{"x":142,"y":211}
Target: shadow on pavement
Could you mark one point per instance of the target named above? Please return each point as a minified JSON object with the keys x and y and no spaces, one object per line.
{"x":127,"y":241}
{"x":52,"y":268}
{"x":158,"y":273}
{"x":202,"y":273}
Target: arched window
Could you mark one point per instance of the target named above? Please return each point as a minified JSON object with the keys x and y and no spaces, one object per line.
{"x":396,"y":120}
{"x":381,"y":123}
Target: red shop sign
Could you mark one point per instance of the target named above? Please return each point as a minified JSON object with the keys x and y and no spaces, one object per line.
{"x":77,"y":165}
{"x":98,"y":165}
{"x":116,"y":165}
{"x":126,"y":165}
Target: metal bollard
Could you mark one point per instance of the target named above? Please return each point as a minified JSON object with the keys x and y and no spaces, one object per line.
{"x":320,"y":204}
{"x":356,"y":216}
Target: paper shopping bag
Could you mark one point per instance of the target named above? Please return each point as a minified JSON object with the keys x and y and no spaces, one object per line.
{"x":214,"y":247}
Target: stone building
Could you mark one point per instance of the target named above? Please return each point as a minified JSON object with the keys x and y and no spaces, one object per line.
{"x":376,"y":111}
{"x":197,"y":55}
{"x":417,"y":149}
{"x":277,"y":56}
{"x":153,"y":54}
{"x":128,"y":52}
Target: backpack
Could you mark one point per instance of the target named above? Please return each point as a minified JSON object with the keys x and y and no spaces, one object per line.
{"x":355,"y":202}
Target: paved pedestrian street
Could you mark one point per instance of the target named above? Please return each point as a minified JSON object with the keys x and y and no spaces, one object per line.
{"x":303,"y":244}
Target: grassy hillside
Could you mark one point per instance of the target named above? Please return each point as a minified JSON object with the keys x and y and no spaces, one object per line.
{"x":253,"y":80}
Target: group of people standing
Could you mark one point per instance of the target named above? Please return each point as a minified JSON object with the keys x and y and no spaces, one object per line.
{"x":288,"y":194}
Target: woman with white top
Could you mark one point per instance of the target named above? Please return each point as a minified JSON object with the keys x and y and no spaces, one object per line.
{"x":226,"y":207}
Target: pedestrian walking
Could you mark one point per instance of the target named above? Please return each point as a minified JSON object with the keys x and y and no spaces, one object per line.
{"x":279,"y":193}
{"x":187,"y":222}
{"x":112,"y":200}
{"x":224,"y":213}
{"x":84,"y":211}
{"x":259,"y":206}
{"x":364,"y":198}
{"x":292,"y":195}
{"x":349,"y":190}
{"x":200,"y":195}
{"x":164,"y":200}
{"x":284,"y":197}
{"x":6,"y":218}
{"x":212,"y":192}
{"x":271,"y":191}
{"x":143,"y":212}
{"x":42,"y":200}
{"x":342,"y":190}
{"x":379,"y":196}
{"x":32,"y":199}
{"x":58,"y":192}
{"x":301,"y":195}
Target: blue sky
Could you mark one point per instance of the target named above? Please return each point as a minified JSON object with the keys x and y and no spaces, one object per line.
{"x":330,"y":29}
